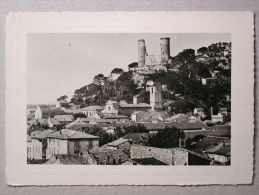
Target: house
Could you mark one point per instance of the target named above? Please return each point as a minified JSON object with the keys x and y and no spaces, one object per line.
{"x":178,"y":118}
{"x":199,"y":111}
{"x":68,"y":141}
{"x":217,"y":118}
{"x":29,"y":148}
{"x":93,"y":111}
{"x":37,"y":145}
{"x":128,"y":109}
{"x":78,"y":124}
{"x":121,"y":143}
{"x":105,"y":156}
{"x":167,"y":156}
{"x":111,"y":108}
{"x":189,"y":126}
{"x":64,"y":119}
{"x":221,"y":156}
{"x":116,"y":118}
{"x":209,"y":143}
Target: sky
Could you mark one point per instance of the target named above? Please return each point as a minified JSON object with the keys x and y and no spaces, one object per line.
{"x":58,"y":64}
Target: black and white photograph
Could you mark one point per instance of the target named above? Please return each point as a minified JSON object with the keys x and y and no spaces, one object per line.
{"x":129,"y":99}
{"x":141,"y":98}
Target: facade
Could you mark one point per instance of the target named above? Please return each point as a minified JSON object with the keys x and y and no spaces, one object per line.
{"x":128,"y":109}
{"x":91,"y":111}
{"x":37,"y":145}
{"x":156,"y":97}
{"x":111,"y":108}
{"x":70,"y":142}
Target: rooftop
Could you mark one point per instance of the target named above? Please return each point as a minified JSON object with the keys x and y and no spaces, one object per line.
{"x":141,"y":105}
{"x":91,"y":108}
{"x":71,"y":134}
{"x":117,"y":142}
{"x":188,"y":125}
{"x":42,"y":134}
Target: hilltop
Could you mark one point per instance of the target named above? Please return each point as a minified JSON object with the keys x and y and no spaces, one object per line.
{"x":199,"y":78}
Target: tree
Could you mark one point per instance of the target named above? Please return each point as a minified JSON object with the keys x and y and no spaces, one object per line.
{"x":117,"y":71}
{"x":64,"y":97}
{"x":135,"y":129}
{"x":169,"y":137}
{"x":133,"y":65}
{"x":99,"y":79}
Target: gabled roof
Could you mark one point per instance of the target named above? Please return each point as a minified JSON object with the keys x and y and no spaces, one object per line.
{"x":64,"y":118}
{"x":178,"y":117}
{"x":208,"y":143}
{"x":225,"y":151}
{"x":71,"y":134}
{"x":117,"y":142}
{"x":116,"y":117}
{"x":141,"y":105}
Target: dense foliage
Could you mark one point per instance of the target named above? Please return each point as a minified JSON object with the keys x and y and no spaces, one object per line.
{"x":183,"y":80}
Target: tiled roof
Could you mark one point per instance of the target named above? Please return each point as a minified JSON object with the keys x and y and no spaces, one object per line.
{"x":178,"y":117}
{"x":42,"y":135}
{"x":207,"y":143}
{"x":116,"y":117}
{"x":71,"y":134}
{"x":64,"y":118}
{"x":141,"y":105}
{"x":117,"y":142}
{"x":187,"y":125}
{"x":91,"y":108}
{"x":225,"y":151}
{"x":76,"y":123}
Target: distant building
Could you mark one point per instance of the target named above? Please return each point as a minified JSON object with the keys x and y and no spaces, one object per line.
{"x":128,"y":109}
{"x":199,"y":111}
{"x":70,"y":142}
{"x":167,"y":156}
{"x":156,"y":97}
{"x":64,"y":119}
{"x":116,"y":118}
{"x":37,"y":145}
{"x":93,"y":111}
{"x":111,"y":108}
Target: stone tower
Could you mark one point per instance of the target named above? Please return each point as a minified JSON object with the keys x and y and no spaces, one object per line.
{"x":165,"y":50}
{"x":156,"y":97}
{"x":141,"y":52}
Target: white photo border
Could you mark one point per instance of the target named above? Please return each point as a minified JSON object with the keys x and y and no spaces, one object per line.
{"x":239,"y":24}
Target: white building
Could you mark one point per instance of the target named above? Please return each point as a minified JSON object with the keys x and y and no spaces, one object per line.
{"x":68,"y":141}
{"x":37,"y":145}
{"x":111,"y":108}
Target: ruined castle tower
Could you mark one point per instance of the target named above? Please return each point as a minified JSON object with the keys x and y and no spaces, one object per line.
{"x":156,"y":97}
{"x":165,"y":50}
{"x":141,"y":52}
